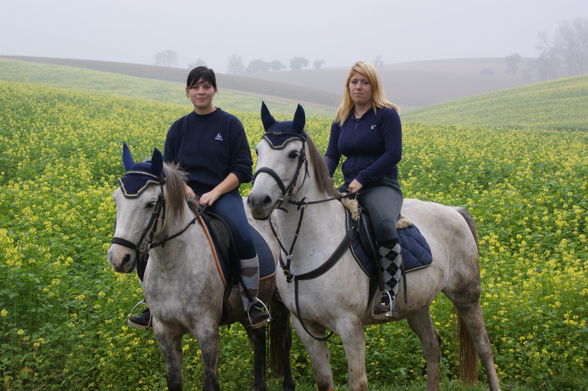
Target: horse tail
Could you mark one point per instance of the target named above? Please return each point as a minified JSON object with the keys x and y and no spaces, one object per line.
{"x":470,"y":221}
{"x":280,"y":336}
{"x":468,"y":360}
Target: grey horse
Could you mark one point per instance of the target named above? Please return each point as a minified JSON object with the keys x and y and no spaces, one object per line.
{"x":182,"y":284}
{"x":290,"y":184}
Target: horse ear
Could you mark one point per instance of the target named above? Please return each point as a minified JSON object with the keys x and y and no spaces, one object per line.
{"x":156,"y":163}
{"x":127,"y":157}
{"x":266,"y":117}
{"x":299,"y":119}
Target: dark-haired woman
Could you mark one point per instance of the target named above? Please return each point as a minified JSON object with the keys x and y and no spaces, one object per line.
{"x":367,"y":131}
{"x":211,"y":146}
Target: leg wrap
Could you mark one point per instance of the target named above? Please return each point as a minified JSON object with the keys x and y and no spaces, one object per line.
{"x":249,"y":281}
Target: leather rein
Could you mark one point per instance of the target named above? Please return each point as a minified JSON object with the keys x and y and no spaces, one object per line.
{"x":287,"y":193}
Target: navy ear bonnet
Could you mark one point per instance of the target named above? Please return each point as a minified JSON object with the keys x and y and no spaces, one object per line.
{"x":278,"y":134}
{"x":139,"y":176}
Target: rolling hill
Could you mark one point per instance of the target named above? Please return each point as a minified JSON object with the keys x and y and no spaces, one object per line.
{"x":554,"y":104}
{"x":410,"y":85}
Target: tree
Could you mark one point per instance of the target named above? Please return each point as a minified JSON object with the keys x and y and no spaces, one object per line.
{"x":258,"y":65}
{"x":198,"y":63}
{"x":512,"y":63}
{"x":318,"y":63}
{"x":567,"y":53}
{"x":235,"y":65}
{"x":277,"y":66}
{"x":297,"y":63}
{"x":166,"y":58}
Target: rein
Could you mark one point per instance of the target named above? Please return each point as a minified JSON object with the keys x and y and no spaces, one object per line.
{"x":288,"y":192}
{"x":152,"y":225}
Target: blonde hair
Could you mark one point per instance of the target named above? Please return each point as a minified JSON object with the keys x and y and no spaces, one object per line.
{"x":379,"y":99}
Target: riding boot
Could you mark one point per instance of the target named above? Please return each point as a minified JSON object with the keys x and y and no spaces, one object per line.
{"x":255,"y":309}
{"x":390,"y":264}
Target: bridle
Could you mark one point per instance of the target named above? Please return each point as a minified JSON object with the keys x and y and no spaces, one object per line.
{"x":154,"y":221}
{"x":287,"y":193}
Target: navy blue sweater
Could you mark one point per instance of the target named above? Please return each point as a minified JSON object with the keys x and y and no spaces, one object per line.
{"x":372,"y":145}
{"x":209,"y":147}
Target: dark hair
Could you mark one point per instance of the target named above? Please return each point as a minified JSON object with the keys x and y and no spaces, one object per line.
{"x":201,"y":73}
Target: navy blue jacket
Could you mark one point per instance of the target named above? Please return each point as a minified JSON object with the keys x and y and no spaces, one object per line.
{"x":209,"y":147}
{"x":372,"y":145}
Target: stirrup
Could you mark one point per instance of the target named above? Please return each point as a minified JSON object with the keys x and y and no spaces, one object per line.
{"x":265,"y":310}
{"x":384,"y":315}
{"x":138,"y":325}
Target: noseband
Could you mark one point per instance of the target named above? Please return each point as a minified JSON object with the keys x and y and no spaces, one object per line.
{"x":287,"y":191}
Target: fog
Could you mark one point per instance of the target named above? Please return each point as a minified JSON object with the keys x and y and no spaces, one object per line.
{"x":339,"y":32}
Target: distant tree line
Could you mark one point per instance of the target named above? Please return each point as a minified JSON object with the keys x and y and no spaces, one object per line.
{"x":236,"y":65}
{"x":564,"y":54}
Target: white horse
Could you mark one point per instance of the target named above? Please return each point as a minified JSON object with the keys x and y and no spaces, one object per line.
{"x":182,"y":284}
{"x":334,"y":293}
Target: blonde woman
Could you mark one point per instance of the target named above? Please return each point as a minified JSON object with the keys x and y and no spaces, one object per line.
{"x":367,"y":131}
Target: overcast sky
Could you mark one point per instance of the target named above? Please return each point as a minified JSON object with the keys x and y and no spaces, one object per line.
{"x":338,"y":31}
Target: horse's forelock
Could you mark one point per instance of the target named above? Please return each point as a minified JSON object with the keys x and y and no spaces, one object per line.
{"x":175,"y":188}
{"x":321,"y":172}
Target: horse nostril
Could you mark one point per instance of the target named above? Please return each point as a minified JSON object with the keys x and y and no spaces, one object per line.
{"x":125,"y":260}
{"x":267,"y":200}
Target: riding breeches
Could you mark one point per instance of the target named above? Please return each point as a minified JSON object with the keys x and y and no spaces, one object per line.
{"x":383,"y":205}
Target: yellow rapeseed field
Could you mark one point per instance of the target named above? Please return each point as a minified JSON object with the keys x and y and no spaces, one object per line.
{"x":63,"y":310}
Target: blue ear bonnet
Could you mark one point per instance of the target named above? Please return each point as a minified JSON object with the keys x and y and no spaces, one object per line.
{"x":139,"y":176}
{"x":278,"y":134}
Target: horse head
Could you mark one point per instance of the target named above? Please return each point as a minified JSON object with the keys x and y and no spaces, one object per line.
{"x":281,"y":155}
{"x":139,"y":206}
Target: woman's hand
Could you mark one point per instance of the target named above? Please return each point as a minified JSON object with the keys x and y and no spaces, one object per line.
{"x":354,"y":186}
{"x":207,"y":199}
{"x":189,"y":192}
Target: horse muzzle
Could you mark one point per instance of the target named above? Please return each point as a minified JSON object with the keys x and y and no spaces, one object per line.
{"x":261,"y":205}
{"x":121,"y":258}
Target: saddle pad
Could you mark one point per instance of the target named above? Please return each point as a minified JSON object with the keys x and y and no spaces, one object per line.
{"x":228,"y":268}
{"x":416,"y":253}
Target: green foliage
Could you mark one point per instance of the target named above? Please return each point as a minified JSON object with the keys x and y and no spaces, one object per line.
{"x":63,"y":310}
{"x":556,"y":104}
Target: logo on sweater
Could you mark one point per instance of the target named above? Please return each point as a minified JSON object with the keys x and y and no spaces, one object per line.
{"x":373,"y":127}
{"x":218,"y":137}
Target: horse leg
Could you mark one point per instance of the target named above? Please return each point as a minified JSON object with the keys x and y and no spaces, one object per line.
{"x":257,"y":339}
{"x":353,"y":338}
{"x":318,"y":352}
{"x":170,"y":342}
{"x":422,"y":325}
{"x":209,"y":341}
{"x":471,"y":315}
{"x":280,"y":332}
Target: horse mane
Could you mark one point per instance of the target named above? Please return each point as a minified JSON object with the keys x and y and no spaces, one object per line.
{"x":175,"y":189}
{"x":321,"y":172}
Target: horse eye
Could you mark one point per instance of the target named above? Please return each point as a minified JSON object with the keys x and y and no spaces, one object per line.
{"x":149,"y":205}
{"x":293,"y":155}
{"x":257,"y":153}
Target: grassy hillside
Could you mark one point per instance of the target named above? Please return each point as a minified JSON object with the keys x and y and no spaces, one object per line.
{"x":417,"y":84}
{"x":63,"y":310}
{"x":94,"y":81}
{"x":306,"y":94}
{"x":555,"y":104}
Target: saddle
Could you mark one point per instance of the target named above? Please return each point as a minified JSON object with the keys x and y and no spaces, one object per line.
{"x":416,"y":253}
{"x":224,"y":247}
